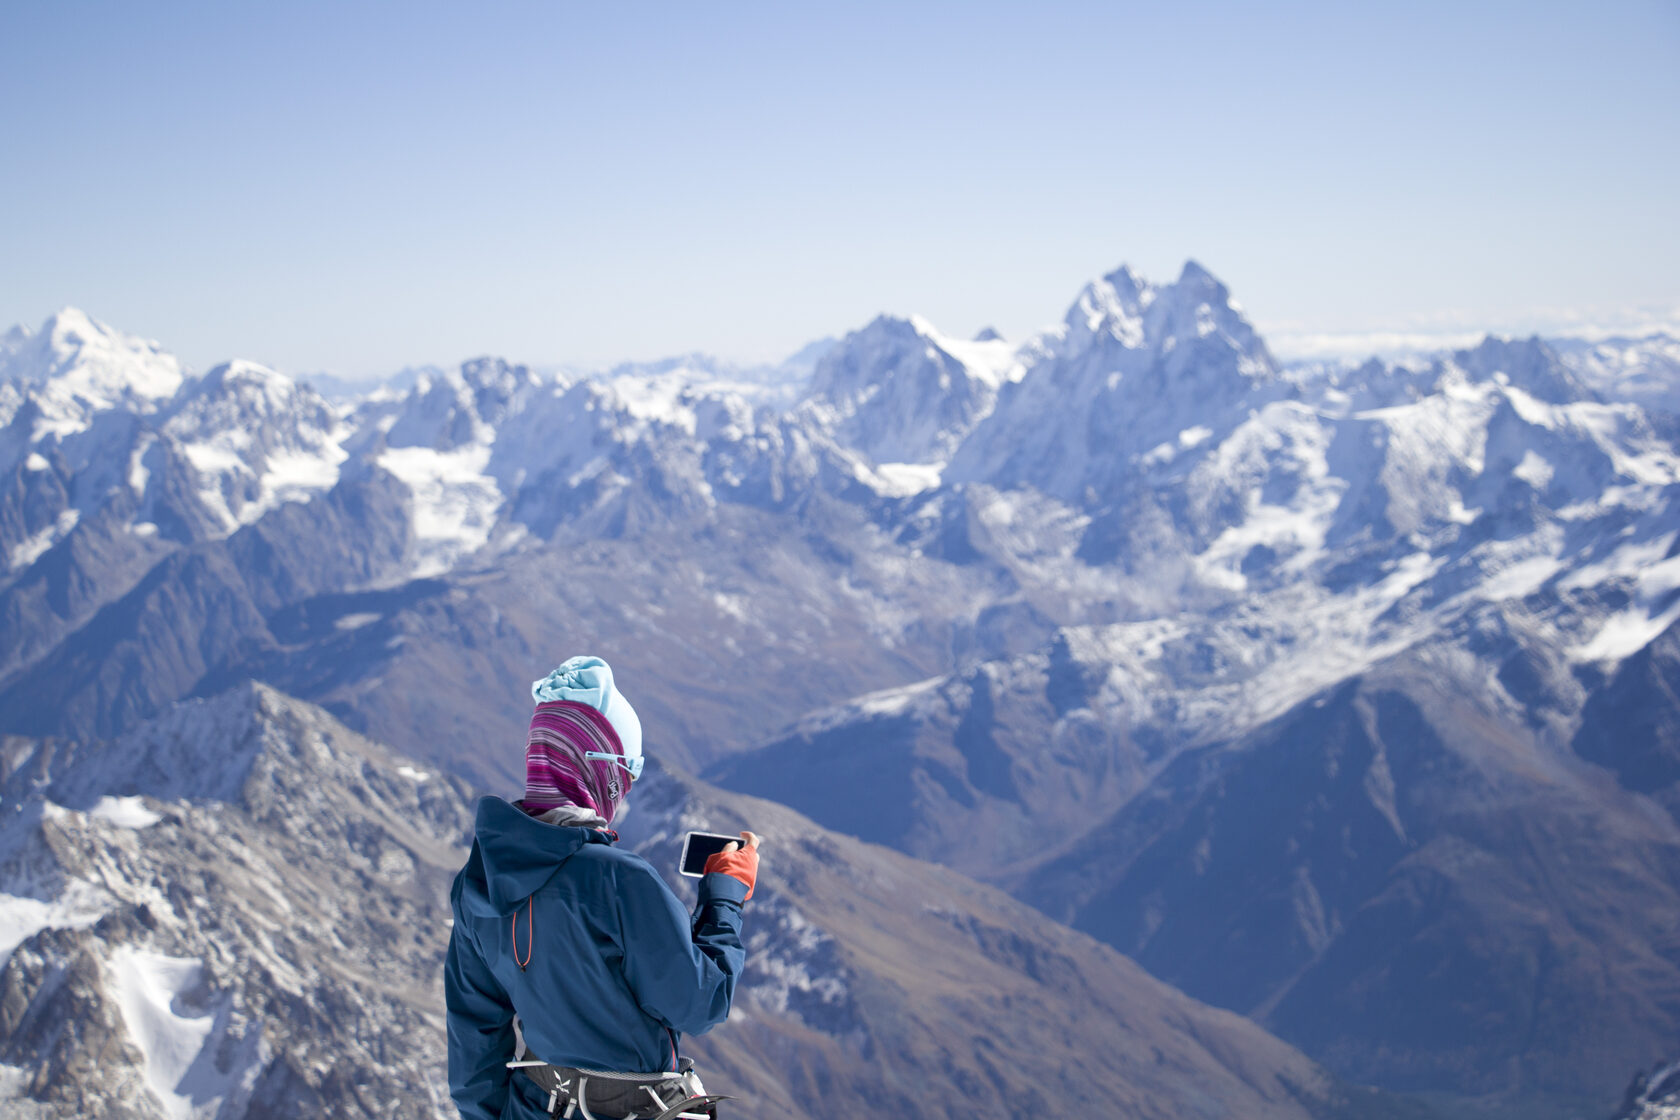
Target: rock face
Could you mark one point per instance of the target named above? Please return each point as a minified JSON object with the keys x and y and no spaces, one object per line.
{"x":232,"y":911}
{"x":240,"y":911}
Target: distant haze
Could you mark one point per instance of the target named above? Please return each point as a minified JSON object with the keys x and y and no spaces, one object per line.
{"x":356,"y":188}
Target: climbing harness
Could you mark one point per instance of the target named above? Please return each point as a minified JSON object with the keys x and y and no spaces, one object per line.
{"x":594,"y":1094}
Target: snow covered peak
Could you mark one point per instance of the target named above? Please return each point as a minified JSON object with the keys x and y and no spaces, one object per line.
{"x":901,"y":392}
{"x":255,"y":439}
{"x":84,"y":359}
{"x":71,"y":326}
{"x":455,"y":407}
{"x":248,"y":379}
{"x":1125,"y":310}
{"x":1529,"y":364}
{"x":1112,"y":306}
{"x":1134,"y":367}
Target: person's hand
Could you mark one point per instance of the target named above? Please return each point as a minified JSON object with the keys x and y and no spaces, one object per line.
{"x":736,"y":861}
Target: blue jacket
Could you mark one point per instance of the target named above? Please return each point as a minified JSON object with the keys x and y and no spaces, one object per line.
{"x":588,"y":946}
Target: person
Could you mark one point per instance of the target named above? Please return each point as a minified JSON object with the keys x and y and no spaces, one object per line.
{"x":569,"y":953}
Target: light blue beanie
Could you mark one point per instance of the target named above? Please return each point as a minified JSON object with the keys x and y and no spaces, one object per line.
{"x":589,"y":680}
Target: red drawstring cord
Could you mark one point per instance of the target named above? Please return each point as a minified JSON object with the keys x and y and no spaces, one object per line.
{"x":513,"y":932}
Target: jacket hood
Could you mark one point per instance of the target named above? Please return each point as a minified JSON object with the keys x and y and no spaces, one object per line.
{"x":518,"y":854}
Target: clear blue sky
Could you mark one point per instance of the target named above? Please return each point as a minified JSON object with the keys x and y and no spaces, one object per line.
{"x":357,"y":186}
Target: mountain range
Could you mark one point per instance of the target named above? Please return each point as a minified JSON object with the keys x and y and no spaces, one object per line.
{"x":1343,"y":697}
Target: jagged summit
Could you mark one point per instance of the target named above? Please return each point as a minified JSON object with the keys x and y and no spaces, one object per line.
{"x":1132,"y":365}
{"x":900,"y":391}
{"x":1529,"y":364}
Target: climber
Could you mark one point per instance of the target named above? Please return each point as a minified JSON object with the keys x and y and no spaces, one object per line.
{"x":572,"y":971}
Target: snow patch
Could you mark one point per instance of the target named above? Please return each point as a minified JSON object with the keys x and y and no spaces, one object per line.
{"x":1534,"y":470}
{"x":356,"y":621}
{"x":137,"y":472}
{"x":1626,"y":633}
{"x":661,"y":399}
{"x":900,"y":480}
{"x":454,"y":502}
{"x":886,"y":702}
{"x":36,"y":462}
{"x":892,"y":701}
{"x":148,"y":986}
{"x":993,"y":361}
{"x":1191,"y":437}
{"x":1520,"y":579}
{"x":412,"y":774}
{"x":78,"y":907}
{"x":125,"y":812}
{"x":14,"y":1082}
{"x":296,"y":475}
{"x":1629,"y":631}
{"x":36,"y":545}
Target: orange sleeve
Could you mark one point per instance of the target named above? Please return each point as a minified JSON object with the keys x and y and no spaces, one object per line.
{"x":741,"y":864}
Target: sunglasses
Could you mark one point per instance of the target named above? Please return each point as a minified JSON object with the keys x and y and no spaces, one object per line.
{"x":631,"y":765}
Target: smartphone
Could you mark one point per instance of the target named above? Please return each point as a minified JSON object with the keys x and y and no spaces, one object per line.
{"x":698,"y":847}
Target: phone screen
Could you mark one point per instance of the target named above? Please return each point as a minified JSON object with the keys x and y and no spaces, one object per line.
{"x":700,"y":846}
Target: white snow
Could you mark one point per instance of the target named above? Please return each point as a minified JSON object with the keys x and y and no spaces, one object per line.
{"x":80,"y":366}
{"x":222,"y":456}
{"x":36,"y":462}
{"x":993,"y":362}
{"x":1627,"y":632}
{"x":212,"y":462}
{"x":660,"y":399}
{"x":125,"y":812}
{"x":1519,"y":579}
{"x":886,"y":702}
{"x":147,"y":987}
{"x":294,"y":475}
{"x":14,"y":1081}
{"x":892,"y":701}
{"x":137,"y":472}
{"x":357,"y":620}
{"x":35,"y":546}
{"x":257,"y":439}
{"x":78,"y":907}
{"x":900,"y":480}
{"x":412,"y":774}
{"x":1534,"y":470}
{"x":454,"y":502}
